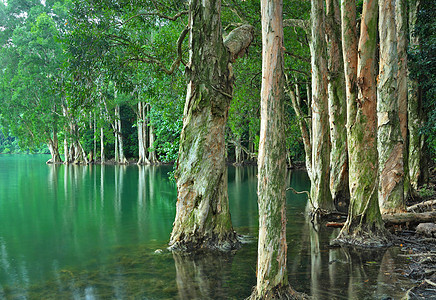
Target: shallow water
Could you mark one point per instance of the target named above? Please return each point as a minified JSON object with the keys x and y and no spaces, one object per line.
{"x":91,"y":232}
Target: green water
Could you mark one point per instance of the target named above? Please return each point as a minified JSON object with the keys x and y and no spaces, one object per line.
{"x":91,"y":232}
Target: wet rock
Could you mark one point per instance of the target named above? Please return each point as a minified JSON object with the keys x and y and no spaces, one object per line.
{"x":427,"y":229}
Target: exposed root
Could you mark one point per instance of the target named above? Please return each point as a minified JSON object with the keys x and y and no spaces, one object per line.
{"x":364,"y":236}
{"x":285,"y":293}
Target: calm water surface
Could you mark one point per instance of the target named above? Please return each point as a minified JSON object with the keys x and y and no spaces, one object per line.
{"x":91,"y":232}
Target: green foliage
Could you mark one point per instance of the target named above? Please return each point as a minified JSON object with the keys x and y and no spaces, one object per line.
{"x":422,"y":65}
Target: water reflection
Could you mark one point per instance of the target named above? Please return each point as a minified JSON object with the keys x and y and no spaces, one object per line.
{"x":91,"y":232}
{"x":202,"y":276}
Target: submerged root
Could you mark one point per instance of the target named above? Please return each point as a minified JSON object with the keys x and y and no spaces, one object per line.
{"x":197,"y":242}
{"x":285,"y":293}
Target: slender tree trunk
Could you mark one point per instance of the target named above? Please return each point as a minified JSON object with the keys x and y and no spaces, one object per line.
{"x":304,"y":127}
{"x":337,"y":105}
{"x":102,"y":155}
{"x":402,"y":44}
{"x":272,"y":276}
{"x":142,"y":135}
{"x":389,"y":141}
{"x":320,"y":181}
{"x":152,"y":153}
{"x":202,"y":215}
{"x":364,"y":225}
{"x":121,"y":158}
{"x":416,"y":163}
{"x":66,"y":152}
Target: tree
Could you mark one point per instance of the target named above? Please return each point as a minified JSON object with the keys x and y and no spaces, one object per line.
{"x":320,"y":175}
{"x":272,"y":278}
{"x":202,"y":216}
{"x":389,"y":138}
{"x":364,"y":225}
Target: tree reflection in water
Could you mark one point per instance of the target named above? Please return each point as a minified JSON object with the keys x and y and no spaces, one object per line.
{"x":202,"y":276}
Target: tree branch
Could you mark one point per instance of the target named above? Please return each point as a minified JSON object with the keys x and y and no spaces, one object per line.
{"x":174,"y":18}
{"x":303,"y":24}
{"x":238,"y":41}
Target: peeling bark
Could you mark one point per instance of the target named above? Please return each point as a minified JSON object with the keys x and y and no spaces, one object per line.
{"x":389,"y":140}
{"x":337,"y":105}
{"x":202,"y":211}
{"x":416,"y":158}
{"x":272,"y":278}
{"x":320,"y":181}
{"x":364,"y":225}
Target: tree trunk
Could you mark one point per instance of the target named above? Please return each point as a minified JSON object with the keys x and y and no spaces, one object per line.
{"x":402,"y":43}
{"x":409,"y":217}
{"x":142,"y":134}
{"x":152,"y":153}
{"x":66,"y":152}
{"x":302,"y":123}
{"x":202,"y":215}
{"x":53,"y":146}
{"x":337,"y":105}
{"x":272,"y":277}
{"x":102,"y":156}
{"x":121,"y":158}
{"x":364,"y":225}
{"x":320,"y":181}
{"x":389,"y":140}
{"x":416,"y":163}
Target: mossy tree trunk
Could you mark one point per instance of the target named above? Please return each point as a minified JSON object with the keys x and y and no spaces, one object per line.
{"x":336,"y":104}
{"x":272,"y":276}
{"x":364,"y":225}
{"x":389,"y":139}
{"x":416,"y":158}
{"x":202,"y":213}
{"x":320,"y":179}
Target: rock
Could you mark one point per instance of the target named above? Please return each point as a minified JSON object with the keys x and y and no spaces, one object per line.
{"x":427,"y":229}
{"x":158,"y":251}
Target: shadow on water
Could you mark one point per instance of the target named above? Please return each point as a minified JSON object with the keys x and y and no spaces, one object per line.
{"x":91,"y":232}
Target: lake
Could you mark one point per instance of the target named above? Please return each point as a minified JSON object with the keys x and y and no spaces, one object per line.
{"x":91,"y":232}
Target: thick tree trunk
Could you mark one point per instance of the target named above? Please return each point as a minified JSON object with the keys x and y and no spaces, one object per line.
{"x":389,"y":140}
{"x":416,"y":163}
{"x":142,"y":134}
{"x":320,"y":181}
{"x":337,"y":105}
{"x":66,"y":152}
{"x":272,"y":278}
{"x":364,"y":225}
{"x":202,"y":215}
{"x":53,"y":146}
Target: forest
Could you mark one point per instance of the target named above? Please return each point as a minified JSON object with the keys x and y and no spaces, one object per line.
{"x":344,"y":89}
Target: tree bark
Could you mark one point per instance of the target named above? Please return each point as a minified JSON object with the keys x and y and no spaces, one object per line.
{"x":142,"y":134}
{"x":272,"y":278}
{"x":402,"y":44}
{"x":102,"y":155}
{"x":364,"y":225}
{"x":389,"y":140}
{"x":152,"y":153}
{"x":320,"y":181}
{"x":119,"y":137}
{"x":337,"y":105}
{"x":401,"y":218}
{"x":416,"y":163}
{"x":53,"y":146}
{"x":202,"y":213}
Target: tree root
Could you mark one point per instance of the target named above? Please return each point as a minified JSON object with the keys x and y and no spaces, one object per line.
{"x":285,"y":293}
{"x":196,"y":243}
